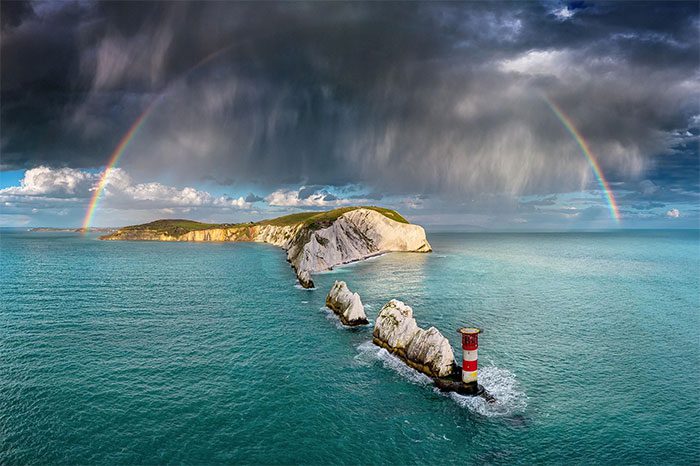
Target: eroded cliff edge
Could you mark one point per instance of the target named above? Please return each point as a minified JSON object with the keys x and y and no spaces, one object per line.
{"x":314,"y":241}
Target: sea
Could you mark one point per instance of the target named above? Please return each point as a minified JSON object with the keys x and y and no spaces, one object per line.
{"x":209,"y":353}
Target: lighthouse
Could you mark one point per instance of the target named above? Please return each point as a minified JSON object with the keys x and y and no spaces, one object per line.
{"x":470,"y":346}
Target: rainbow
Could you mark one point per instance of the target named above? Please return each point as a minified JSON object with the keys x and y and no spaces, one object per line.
{"x":113,"y":159}
{"x":126,"y":139}
{"x":605,"y":186}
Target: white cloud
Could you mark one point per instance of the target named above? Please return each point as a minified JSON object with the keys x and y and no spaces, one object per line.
{"x":45,"y":181}
{"x":673,"y":213}
{"x":319,"y":196}
{"x":290,"y":198}
{"x":537,"y":62}
{"x":564,"y":13}
{"x":44,"y":185}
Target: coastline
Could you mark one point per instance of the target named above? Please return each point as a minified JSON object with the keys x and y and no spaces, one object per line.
{"x":314,"y":242}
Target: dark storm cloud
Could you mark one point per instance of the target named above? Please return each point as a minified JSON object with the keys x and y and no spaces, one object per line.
{"x":13,"y":13}
{"x":649,"y":194}
{"x":253,"y":198}
{"x":308,"y":191}
{"x":403,"y":98}
{"x":375,"y":196}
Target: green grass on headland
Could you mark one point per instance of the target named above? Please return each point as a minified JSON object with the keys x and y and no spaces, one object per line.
{"x":174,"y":226}
{"x":327,"y":217}
{"x":314,"y":220}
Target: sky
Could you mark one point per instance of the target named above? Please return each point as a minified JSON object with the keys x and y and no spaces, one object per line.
{"x":443,"y":111}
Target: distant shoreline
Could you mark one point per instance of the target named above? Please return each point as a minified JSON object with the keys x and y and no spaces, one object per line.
{"x":73,"y":230}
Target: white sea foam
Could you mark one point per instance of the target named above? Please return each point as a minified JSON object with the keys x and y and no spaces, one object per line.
{"x":299,"y":287}
{"x":341,"y":268}
{"x":333,"y":317}
{"x":371,"y":258}
{"x":500,"y":383}
{"x":370,"y":353}
{"x":503,"y":386}
{"x":332,"y":271}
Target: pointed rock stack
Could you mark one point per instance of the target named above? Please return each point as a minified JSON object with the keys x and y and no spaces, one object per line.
{"x":305,"y":280}
{"x":346,"y":304}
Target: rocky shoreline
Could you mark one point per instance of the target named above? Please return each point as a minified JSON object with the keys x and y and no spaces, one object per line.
{"x":314,"y":244}
{"x":396,"y":331}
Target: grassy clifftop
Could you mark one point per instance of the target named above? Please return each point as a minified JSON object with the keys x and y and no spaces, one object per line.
{"x":312,"y":220}
{"x":320,"y":218}
{"x":175,"y":226}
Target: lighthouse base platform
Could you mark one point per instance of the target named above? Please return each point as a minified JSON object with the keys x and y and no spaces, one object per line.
{"x":465,"y":389}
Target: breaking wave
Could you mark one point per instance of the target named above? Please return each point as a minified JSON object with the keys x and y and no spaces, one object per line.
{"x":333,"y":317}
{"x":501,"y":383}
{"x":369,"y":353}
{"x":299,"y":287}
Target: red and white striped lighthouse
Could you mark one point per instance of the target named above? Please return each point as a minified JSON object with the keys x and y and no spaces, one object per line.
{"x":470,"y":346}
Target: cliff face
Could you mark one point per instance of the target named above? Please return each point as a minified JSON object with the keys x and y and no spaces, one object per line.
{"x":354,"y":236}
{"x":311,"y":247}
{"x":277,"y":235}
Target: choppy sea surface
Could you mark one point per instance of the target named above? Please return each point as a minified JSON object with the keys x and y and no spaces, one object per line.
{"x":142,"y":352}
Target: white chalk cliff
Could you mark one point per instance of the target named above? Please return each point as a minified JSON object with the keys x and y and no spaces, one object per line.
{"x":426,"y":350}
{"x":354,"y":236}
{"x":312,"y":246}
{"x":346,"y":304}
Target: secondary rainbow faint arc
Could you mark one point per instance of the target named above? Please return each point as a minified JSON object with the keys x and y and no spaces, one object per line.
{"x":569,"y":125}
{"x":119,"y":150}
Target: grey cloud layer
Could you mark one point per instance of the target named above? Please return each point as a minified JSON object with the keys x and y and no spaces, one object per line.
{"x":404,"y":98}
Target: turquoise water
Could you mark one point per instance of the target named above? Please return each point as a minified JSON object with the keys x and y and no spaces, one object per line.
{"x":128,"y":352}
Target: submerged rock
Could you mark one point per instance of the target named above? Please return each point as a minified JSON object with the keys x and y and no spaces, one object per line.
{"x":304,"y":278}
{"x":346,"y":304}
{"x":425,"y":350}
